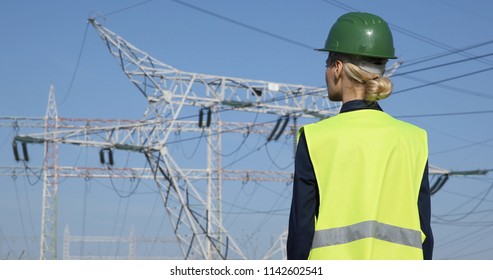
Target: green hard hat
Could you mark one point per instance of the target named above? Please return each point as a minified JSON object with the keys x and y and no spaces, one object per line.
{"x":362,"y":34}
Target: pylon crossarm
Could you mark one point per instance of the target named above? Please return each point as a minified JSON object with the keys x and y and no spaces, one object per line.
{"x":136,"y":135}
{"x":146,"y":173}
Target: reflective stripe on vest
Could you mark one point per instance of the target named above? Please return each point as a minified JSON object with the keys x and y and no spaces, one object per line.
{"x":373,"y":229}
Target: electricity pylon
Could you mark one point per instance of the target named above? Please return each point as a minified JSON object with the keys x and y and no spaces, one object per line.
{"x":50,"y":183}
{"x":168,"y":92}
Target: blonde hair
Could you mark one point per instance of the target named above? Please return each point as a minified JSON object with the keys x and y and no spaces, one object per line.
{"x":376,"y":86}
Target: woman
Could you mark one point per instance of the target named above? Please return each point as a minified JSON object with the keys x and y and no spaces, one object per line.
{"x":361,"y":186}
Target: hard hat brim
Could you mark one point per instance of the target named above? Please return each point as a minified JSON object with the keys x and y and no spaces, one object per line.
{"x":327,"y":50}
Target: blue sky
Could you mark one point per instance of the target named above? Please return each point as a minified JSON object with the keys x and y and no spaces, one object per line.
{"x":42,"y":41}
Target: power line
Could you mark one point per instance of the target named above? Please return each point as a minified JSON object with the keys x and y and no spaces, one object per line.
{"x":470,"y":211}
{"x":443,"y":65}
{"x":443,"y":54}
{"x":427,"y":83}
{"x":195,"y":149}
{"x":444,"y":80}
{"x":244,"y":25}
{"x":76,"y":65}
{"x":121,"y":193}
{"x":246,"y":155}
{"x":453,"y":241}
{"x":243,"y":141}
{"x":29,"y":211}
{"x":463,"y":147}
{"x":467,"y":213}
{"x":452,"y":88}
{"x":127,"y":8}
{"x":21,"y":216}
{"x":434,"y":42}
{"x":445,"y":114}
{"x":467,"y":11}
{"x":342,"y":6}
{"x":273,"y":160}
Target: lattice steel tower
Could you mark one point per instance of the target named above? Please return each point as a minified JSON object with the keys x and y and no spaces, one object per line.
{"x":50,"y":182}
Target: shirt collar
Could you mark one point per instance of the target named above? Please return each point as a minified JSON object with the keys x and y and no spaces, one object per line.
{"x":359,"y":104}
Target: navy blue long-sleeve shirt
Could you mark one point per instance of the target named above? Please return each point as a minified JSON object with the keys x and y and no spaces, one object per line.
{"x":305,"y":201}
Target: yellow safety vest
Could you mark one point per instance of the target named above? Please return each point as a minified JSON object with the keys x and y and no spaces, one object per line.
{"x":369,"y":167}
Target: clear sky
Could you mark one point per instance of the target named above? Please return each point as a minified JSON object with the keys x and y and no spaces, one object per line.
{"x":42,"y":42}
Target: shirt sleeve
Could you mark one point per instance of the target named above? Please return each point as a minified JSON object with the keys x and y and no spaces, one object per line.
{"x":304,"y":205}
{"x":424,"y":207}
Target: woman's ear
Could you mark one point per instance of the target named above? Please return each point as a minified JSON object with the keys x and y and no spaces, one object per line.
{"x":338,"y":68}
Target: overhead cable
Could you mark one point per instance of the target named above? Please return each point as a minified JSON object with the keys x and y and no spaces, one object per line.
{"x":481,"y":200}
{"x":452,"y":88}
{"x":127,"y":8}
{"x":76,"y":65}
{"x":247,"y":26}
{"x":445,"y":80}
{"x":442,"y":65}
{"x":445,"y":114}
{"x":443,"y":54}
